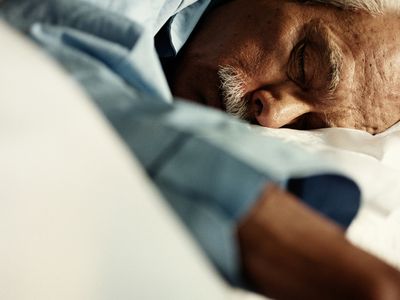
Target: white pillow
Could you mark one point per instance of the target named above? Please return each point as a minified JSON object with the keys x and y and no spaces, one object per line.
{"x":374,"y":163}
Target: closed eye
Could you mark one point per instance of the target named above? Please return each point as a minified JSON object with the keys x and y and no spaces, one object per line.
{"x":300,"y":59}
{"x":297,"y":62}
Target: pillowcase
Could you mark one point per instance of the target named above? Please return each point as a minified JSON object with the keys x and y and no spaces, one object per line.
{"x":373,"y":162}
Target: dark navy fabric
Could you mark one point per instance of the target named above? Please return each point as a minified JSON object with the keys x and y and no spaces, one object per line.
{"x":336,"y":197}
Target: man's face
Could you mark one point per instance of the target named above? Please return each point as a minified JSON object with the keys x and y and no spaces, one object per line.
{"x":285,"y":64}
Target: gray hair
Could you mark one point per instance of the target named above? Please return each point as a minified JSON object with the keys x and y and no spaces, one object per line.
{"x":371,"y":6}
{"x":232,"y":87}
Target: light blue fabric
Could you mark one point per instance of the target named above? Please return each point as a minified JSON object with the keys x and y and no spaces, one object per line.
{"x":209,"y":166}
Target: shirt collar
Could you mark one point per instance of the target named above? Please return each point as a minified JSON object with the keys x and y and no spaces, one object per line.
{"x":185,"y":21}
{"x":175,"y":33}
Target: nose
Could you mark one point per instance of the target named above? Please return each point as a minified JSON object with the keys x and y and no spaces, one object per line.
{"x":273,"y":112}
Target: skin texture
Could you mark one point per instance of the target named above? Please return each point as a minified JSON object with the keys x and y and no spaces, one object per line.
{"x":283,"y":51}
{"x":308,"y":258}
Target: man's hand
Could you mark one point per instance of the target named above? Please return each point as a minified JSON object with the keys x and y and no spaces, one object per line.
{"x":291,"y":252}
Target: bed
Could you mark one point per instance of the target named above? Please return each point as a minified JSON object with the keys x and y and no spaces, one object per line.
{"x":80,"y":220}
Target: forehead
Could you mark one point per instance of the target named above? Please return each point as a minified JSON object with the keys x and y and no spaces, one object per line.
{"x":278,"y":20}
{"x":277,"y":25}
{"x":272,"y":29}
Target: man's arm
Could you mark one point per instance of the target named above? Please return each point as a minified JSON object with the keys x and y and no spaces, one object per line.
{"x":291,"y":252}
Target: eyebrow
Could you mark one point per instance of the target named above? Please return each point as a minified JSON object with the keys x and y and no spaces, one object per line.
{"x":335,"y":64}
{"x":333,"y":55}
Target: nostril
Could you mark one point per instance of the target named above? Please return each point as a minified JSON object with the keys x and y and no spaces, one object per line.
{"x":258,"y":107}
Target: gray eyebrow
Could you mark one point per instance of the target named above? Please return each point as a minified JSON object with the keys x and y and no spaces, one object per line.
{"x":333,"y":55}
{"x":335,"y":58}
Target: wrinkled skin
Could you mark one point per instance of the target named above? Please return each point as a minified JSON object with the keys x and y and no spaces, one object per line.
{"x":286,"y":87}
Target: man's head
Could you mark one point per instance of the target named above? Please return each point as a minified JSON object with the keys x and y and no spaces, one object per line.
{"x":297,"y":64}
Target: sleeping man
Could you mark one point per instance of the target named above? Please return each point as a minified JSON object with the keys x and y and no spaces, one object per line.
{"x":269,"y":216}
{"x":288,"y":64}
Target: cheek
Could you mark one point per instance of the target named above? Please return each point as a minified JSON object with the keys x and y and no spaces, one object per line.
{"x":340,"y":118}
{"x":392,"y":71}
{"x":381,"y":97}
{"x":197,"y":82}
{"x":186,"y":82}
{"x":180,"y":83}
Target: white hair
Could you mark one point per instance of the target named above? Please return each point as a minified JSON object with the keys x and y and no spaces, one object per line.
{"x":232,"y":88}
{"x":371,"y":6}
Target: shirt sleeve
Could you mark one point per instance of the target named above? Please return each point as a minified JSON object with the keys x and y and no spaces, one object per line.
{"x":210,"y":167}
